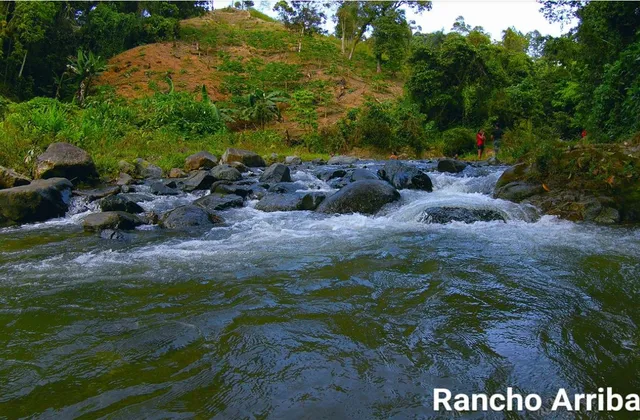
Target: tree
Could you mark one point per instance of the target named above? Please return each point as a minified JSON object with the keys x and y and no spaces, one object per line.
{"x":304,"y":17}
{"x":261,"y":107}
{"x":84,"y":68}
{"x":391,"y":38}
{"x":460,"y":26}
{"x":304,"y":108}
{"x":346,"y":18}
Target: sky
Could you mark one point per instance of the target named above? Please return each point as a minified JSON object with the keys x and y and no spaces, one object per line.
{"x":494,"y":15}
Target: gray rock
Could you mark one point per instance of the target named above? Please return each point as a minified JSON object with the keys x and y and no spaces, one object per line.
{"x":226,"y":173}
{"x":518,"y":191}
{"x":39,"y":201}
{"x":291,"y":201}
{"x":146,"y":170}
{"x":241,"y":167}
{"x":10,"y":178}
{"x":319,"y":161}
{"x":293,"y":160}
{"x":115,"y":235}
{"x":201,"y":180}
{"x":177,"y":173}
{"x":342,"y":160}
{"x":287,"y":187}
{"x":217,"y":202}
{"x":228,"y":187}
{"x":97,"y":193}
{"x":189,"y":216}
{"x":403,"y":176}
{"x":329,"y":174}
{"x":451,"y":165}
{"x":127,"y":168}
{"x":361,"y":175}
{"x":159,"y":188}
{"x":443,"y":215}
{"x":246,"y":157}
{"x":63,"y":160}
{"x":96,"y":222}
{"x":367,"y":197}
{"x":137,"y":197}
{"x":124,"y":179}
{"x":119,"y":203}
{"x":493,"y":161}
{"x":200,"y":160}
{"x":276,"y":173}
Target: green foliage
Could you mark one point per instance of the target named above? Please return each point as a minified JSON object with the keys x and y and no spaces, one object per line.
{"x":304,"y":109}
{"x":259,"y":15}
{"x":260,"y":107}
{"x":458,"y":141}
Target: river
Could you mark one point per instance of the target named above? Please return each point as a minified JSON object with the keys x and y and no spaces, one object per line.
{"x":305,"y":315}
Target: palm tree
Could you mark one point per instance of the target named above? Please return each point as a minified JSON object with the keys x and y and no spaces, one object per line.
{"x":261,"y":107}
{"x":84,"y":69}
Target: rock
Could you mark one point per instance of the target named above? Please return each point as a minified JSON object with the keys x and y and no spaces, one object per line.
{"x":201,"y":180}
{"x":241,"y":167}
{"x":200,"y":160}
{"x":119,"y":203}
{"x":159,"y":188}
{"x":599,"y":210}
{"x":216,"y":202}
{"x":10,"y":178}
{"x":518,"y":191}
{"x":402,"y":176}
{"x":188,"y":217}
{"x":287,"y":187}
{"x":177,"y":173}
{"x":115,"y":235}
{"x":273,"y":158}
{"x":512,"y":174}
{"x":442,"y":215}
{"x":291,"y":201}
{"x":367,"y":197}
{"x":63,"y":160}
{"x":293,"y":160}
{"x":246,"y":157}
{"x":362,"y":174}
{"x":342,"y":160}
{"x":137,"y":198}
{"x":227,"y":187}
{"x":493,"y":161}
{"x":127,"y":168}
{"x":329,"y":174}
{"x":226,"y":173}
{"x":98,"y":193}
{"x":96,"y":222}
{"x":146,"y":170}
{"x":451,"y":165}
{"x":39,"y":201}
{"x":124,"y":179}
{"x":319,"y":161}
{"x":276,"y":173}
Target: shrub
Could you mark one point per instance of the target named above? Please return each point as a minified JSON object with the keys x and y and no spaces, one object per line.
{"x":458,"y":141}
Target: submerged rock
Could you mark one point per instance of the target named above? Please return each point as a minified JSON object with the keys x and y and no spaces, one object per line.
{"x":246,"y":157}
{"x":367,"y":197}
{"x":115,"y":235}
{"x":119,"y":203}
{"x":63,"y":160}
{"x":276,"y":173}
{"x":402,"y":176}
{"x":287,"y":187}
{"x":96,"y":222}
{"x":329,"y":174}
{"x":189,"y":216}
{"x":39,"y":201}
{"x":451,"y":166}
{"x":291,"y":201}
{"x":10,"y":178}
{"x":159,"y":188}
{"x":200,"y":160}
{"x":216,"y":202}
{"x":442,"y":215}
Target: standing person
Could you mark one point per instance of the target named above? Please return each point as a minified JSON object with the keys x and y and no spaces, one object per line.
{"x":497,"y":139}
{"x":480,"y":139}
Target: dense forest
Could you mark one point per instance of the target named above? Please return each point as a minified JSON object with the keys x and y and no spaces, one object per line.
{"x":547,"y":92}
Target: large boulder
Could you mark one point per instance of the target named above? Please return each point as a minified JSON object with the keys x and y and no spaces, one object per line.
{"x":147,"y":170}
{"x":248,"y":158}
{"x":216,"y":202}
{"x":10,"y":178}
{"x":119,"y":203}
{"x":276,"y":173}
{"x":362,"y":174}
{"x":228,"y":187}
{"x":201,"y":180}
{"x":451,"y":165}
{"x":200,"y":160}
{"x":515,"y":173}
{"x":96,"y":222}
{"x":291,"y":201}
{"x":64,"y":160}
{"x":367,"y":197}
{"x":518,"y":191}
{"x":442,"y":215}
{"x":402,"y":176}
{"x":189,"y":216}
{"x":226,"y":173}
{"x":342,"y":160}
{"x":39,"y":201}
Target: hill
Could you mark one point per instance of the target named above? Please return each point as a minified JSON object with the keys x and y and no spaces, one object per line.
{"x":233,"y":52}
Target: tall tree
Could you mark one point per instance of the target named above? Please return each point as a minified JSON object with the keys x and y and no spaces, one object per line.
{"x":391,"y":38}
{"x":304,"y":17}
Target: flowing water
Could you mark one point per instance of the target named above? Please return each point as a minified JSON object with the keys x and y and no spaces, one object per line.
{"x":303,"y":315}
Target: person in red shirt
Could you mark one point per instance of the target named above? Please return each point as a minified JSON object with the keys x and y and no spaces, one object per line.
{"x":480,"y":139}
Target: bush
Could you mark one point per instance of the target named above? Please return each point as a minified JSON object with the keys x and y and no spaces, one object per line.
{"x":458,"y":141}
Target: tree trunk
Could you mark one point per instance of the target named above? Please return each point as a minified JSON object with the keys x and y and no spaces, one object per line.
{"x":378,"y":64}
{"x":342,"y":38}
{"x":24,"y":60}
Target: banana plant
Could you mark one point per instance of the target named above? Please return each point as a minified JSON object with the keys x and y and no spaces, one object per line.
{"x":84,"y":68}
